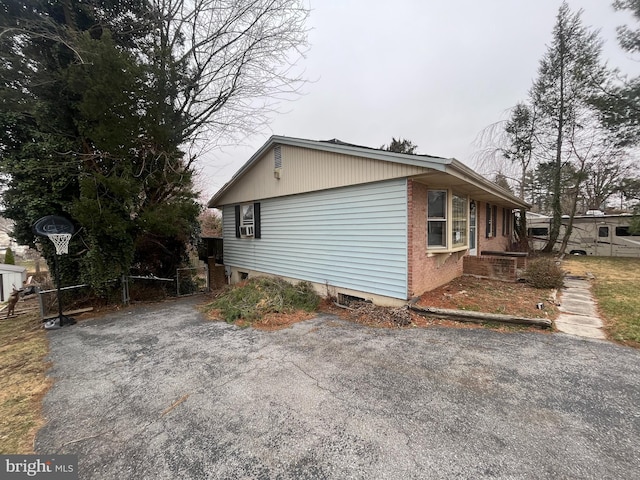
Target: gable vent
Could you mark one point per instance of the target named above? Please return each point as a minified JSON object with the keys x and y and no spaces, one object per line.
{"x":277,"y":157}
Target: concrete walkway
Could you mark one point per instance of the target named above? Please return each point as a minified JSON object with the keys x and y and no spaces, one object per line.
{"x":578,"y":314}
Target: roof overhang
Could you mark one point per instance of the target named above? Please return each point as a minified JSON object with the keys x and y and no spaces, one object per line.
{"x":446,"y":171}
{"x":12,"y":268}
{"x":462,"y":179}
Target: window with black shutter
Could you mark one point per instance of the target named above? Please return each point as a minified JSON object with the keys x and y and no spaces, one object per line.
{"x":247,"y":217}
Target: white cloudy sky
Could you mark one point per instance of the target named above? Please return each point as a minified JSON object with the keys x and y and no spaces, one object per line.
{"x":436,"y":72}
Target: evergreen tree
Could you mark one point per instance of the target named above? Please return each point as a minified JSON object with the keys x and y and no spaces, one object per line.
{"x":400,"y":146}
{"x":520,"y":132}
{"x":619,"y":104}
{"x":502,"y":181}
{"x":100,"y":102}
{"x":9,"y":258}
{"x":569,"y":74}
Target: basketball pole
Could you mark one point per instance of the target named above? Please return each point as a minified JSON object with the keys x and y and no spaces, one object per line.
{"x":59,"y":230}
{"x":57,"y":268}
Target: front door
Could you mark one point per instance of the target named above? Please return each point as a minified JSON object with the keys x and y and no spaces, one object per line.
{"x":473,"y":250}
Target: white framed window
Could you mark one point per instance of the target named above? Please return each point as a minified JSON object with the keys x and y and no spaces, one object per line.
{"x":459,"y":220}
{"x":447,"y":221}
{"x":246,"y":220}
{"x":437,"y":218}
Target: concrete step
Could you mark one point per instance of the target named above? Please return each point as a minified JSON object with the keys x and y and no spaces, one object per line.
{"x":578,"y":306}
{"x":584,"y":320}
{"x":580,"y":330}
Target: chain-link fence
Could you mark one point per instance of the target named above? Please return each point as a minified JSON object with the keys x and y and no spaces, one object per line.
{"x":129,"y":288}
{"x":137,"y":288}
{"x":74,"y":299}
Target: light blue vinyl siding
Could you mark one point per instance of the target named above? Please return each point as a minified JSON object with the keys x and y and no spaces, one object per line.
{"x":352,"y":237}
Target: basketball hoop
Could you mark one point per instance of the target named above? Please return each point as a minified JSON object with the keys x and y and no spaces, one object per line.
{"x":59,"y":230}
{"x":61,"y":242}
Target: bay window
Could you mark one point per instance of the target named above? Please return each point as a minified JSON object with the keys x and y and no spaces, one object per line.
{"x":459,"y":221}
{"x":437,"y":218}
{"x":447,"y":220}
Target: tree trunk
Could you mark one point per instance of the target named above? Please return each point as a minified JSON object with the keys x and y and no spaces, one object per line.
{"x":574,"y":206}
{"x":569,"y":227}
{"x":521,"y":232}
{"x":556,"y":207}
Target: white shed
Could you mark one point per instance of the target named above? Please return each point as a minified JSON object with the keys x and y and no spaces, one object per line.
{"x":11,"y":275}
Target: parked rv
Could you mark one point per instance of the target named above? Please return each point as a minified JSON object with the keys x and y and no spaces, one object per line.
{"x":597,"y":234}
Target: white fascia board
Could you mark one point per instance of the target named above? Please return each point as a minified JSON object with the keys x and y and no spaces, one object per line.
{"x":460,"y":170}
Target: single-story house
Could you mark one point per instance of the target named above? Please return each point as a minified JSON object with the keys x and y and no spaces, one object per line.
{"x":11,"y":276}
{"x":359,"y":221}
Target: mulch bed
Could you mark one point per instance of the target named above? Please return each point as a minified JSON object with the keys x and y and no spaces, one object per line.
{"x":464,"y":293}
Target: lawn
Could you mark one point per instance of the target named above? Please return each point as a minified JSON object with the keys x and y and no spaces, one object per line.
{"x":23,"y":383}
{"x":616,"y":288}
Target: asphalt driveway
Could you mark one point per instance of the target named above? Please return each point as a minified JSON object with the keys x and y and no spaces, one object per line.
{"x":161,"y":393}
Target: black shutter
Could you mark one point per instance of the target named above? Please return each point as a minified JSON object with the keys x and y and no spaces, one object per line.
{"x":237,"y":209}
{"x":257,"y":232}
{"x":488,"y":222}
{"x":495,"y":220}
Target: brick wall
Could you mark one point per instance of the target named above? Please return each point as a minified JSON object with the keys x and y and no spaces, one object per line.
{"x":429,"y":271}
{"x":426,"y":272}
{"x":502,"y":268}
{"x":217,"y":278}
{"x":499,"y":242}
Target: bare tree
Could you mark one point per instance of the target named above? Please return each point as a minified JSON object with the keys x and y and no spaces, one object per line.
{"x":569,"y":74}
{"x":605,"y":176}
{"x":6,"y":225}
{"x":210,"y":223}
{"x":598,"y":163}
{"x":112,"y":99}
{"x":233,"y":60}
{"x":506,"y":148}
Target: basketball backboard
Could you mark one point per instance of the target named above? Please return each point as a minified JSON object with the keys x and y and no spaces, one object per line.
{"x":52,"y":224}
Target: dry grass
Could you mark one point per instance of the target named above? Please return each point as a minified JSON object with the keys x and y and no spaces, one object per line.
{"x":23,"y":383}
{"x":616,"y":287}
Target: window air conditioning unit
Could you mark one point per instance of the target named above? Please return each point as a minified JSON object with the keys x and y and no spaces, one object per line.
{"x":246,"y":231}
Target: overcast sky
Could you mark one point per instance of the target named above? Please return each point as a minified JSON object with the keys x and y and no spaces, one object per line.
{"x":435,"y":72}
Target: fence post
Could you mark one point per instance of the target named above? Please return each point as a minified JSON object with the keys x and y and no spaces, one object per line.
{"x":41,"y":302}
{"x":125,"y":290}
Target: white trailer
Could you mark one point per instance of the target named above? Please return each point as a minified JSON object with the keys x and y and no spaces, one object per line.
{"x":598,"y":235}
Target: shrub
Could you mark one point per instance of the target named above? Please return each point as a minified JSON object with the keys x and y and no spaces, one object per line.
{"x":251,"y":300}
{"x":9,"y":258}
{"x":544,"y":272}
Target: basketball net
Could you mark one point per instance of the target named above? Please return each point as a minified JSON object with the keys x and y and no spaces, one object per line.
{"x":61,"y":241}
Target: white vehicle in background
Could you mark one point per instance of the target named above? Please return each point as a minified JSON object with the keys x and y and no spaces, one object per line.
{"x":594,"y":234}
